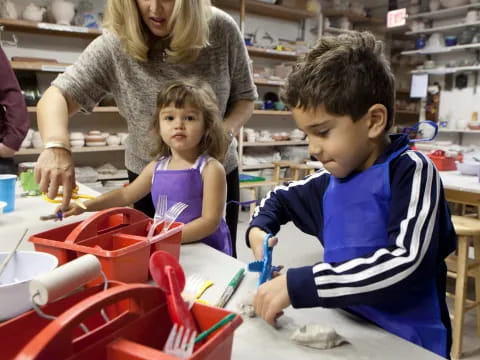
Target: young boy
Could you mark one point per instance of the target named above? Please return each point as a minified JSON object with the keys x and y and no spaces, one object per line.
{"x":378,"y":208}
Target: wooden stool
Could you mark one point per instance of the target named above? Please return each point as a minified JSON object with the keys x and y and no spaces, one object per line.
{"x":277,"y":166}
{"x":460,"y":267}
{"x":252,"y":186}
{"x":302,"y":170}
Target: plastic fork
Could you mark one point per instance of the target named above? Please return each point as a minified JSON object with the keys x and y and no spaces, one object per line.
{"x":195,"y":286}
{"x":172,"y":214}
{"x":180,"y":342}
{"x":159,"y":216}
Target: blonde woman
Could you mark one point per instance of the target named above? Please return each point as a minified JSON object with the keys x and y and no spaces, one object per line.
{"x":145,"y":44}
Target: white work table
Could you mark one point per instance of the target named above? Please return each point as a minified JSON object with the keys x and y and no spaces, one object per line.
{"x":254,"y":339}
{"x":461,"y":189}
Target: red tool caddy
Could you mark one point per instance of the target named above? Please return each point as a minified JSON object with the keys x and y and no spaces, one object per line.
{"x":137,"y":329}
{"x":441,"y":161}
{"x":117,"y":237}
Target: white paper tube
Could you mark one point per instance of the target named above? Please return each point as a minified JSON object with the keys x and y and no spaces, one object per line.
{"x":64,"y":279}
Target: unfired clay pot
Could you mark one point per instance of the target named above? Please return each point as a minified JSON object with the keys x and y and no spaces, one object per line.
{"x":62,"y":11}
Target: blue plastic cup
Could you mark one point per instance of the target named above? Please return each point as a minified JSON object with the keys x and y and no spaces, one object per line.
{"x":7,"y":191}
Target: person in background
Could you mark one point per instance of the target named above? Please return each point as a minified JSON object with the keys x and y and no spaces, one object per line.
{"x":378,"y":208}
{"x":14,"y":121}
{"x":145,"y":44}
{"x":190,"y":141}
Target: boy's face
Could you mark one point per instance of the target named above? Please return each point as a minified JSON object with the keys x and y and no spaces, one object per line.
{"x":182,"y":129}
{"x":343,"y":146}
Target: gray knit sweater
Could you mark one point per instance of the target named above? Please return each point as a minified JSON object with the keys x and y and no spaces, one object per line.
{"x":104,"y":68}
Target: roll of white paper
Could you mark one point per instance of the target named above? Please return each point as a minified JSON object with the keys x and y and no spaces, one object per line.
{"x":64,"y":279}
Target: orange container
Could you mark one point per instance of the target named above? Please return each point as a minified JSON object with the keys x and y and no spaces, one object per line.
{"x":442,"y":162}
{"x":117,"y":237}
{"x":138,"y":330}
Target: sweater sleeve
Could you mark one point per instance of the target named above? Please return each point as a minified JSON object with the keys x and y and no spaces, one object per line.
{"x":89,"y":79}
{"x":416,"y":218}
{"x":13,"y":110}
{"x":242,"y":85}
{"x":297,"y":201}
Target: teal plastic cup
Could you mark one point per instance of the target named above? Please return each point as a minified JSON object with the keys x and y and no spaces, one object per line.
{"x":7,"y":191}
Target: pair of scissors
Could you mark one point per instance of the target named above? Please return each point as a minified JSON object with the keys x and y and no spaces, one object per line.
{"x":415,"y":130}
{"x":264,"y":267}
{"x":75,"y":197}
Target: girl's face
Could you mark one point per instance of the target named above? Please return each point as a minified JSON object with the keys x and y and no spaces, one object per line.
{"x":156,"y":15}
{"x":182,"y":129}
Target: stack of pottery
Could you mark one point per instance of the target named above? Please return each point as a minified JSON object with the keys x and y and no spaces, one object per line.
{"x":77,"y":139}
{"x":95,"y":138}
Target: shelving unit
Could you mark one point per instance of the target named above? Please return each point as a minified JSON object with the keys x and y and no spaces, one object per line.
{"x":276,"y":143}
{"x":83,"y":149}
{"x":443,"y":29}
{"x":98,"y":109}
{"x":446,"y":70}
{"x":442,"y":50}
{"x":444,"y":13}
{"x":273,"y":54}
{"x":265,"y":9}
{"x":33,"y":27}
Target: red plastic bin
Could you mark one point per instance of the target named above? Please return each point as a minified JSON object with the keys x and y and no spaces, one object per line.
{"x":442,"y":162}
{"x":138,"y":332}
{"x":117,"y":237}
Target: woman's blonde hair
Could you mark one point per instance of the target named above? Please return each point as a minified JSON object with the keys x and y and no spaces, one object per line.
{"x":199,"y":94}
{"x":189,"y":29}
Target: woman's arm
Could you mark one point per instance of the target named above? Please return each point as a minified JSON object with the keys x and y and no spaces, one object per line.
{"x":126,"y":195}
{"x":238,"y":114}
{"x":214,"y":197}
{"x":54,"y":166}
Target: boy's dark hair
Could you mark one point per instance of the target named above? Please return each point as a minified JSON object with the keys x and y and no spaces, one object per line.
{"x":347,"y":74}
{"x":198,"y":93}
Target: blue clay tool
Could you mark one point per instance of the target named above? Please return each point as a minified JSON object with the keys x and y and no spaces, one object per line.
{"x":264,"y":267}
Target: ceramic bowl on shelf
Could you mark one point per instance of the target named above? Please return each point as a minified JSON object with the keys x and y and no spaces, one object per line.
{"x":450,"y":40}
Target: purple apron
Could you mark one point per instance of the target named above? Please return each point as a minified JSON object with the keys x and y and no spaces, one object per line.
{"x":187,"y":186}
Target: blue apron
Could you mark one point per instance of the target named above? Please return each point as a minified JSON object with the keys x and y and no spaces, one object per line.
{"x":356,"y":213}
{"x":187,"y":186}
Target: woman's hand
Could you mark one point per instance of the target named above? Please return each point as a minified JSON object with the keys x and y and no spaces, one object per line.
{"x":54,"y":168}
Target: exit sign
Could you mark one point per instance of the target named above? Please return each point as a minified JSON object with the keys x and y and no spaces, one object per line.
{"x":396,"y":18}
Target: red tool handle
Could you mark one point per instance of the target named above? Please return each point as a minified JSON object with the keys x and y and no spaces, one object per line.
{"x":105,"y":221}
{"x":177,"y":308}
{"x":438,"y":153}
{"x":56,"y":339}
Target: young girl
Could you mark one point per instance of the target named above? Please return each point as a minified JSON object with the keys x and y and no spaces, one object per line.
{"x":191,"y":145}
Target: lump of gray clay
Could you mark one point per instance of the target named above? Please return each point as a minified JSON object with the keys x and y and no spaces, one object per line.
{"x":317,"y":336}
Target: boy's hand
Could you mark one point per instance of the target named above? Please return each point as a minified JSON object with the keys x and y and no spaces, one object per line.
{"x":72,"y":209}
{"x":271,"y":298}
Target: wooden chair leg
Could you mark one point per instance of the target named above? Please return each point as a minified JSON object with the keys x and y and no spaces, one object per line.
{"x":460,"y":295}
{"x":476,"y":244}
{"x":253,"y":196}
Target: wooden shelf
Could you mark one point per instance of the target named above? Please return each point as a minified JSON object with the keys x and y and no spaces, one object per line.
{"x":84,"y":149}
{"x":38,"y":66}
{"x":353,"y":17}
{"x":445,"y":49}
{"x":33,"y":27}
{"x":407,"y":112}
{"x":269,"y":82}
{"x":257,"y":167}
{"x":446,"y":70}
{"x":119,"y":175}
{"x":446,"y":28}
{"x":273,"y":54}
{"x":265,"y":9}
{"x":445,"y":13}
{"x":98,"y":109}
{"x":272,"y":112}
{"x":276,"y":143}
